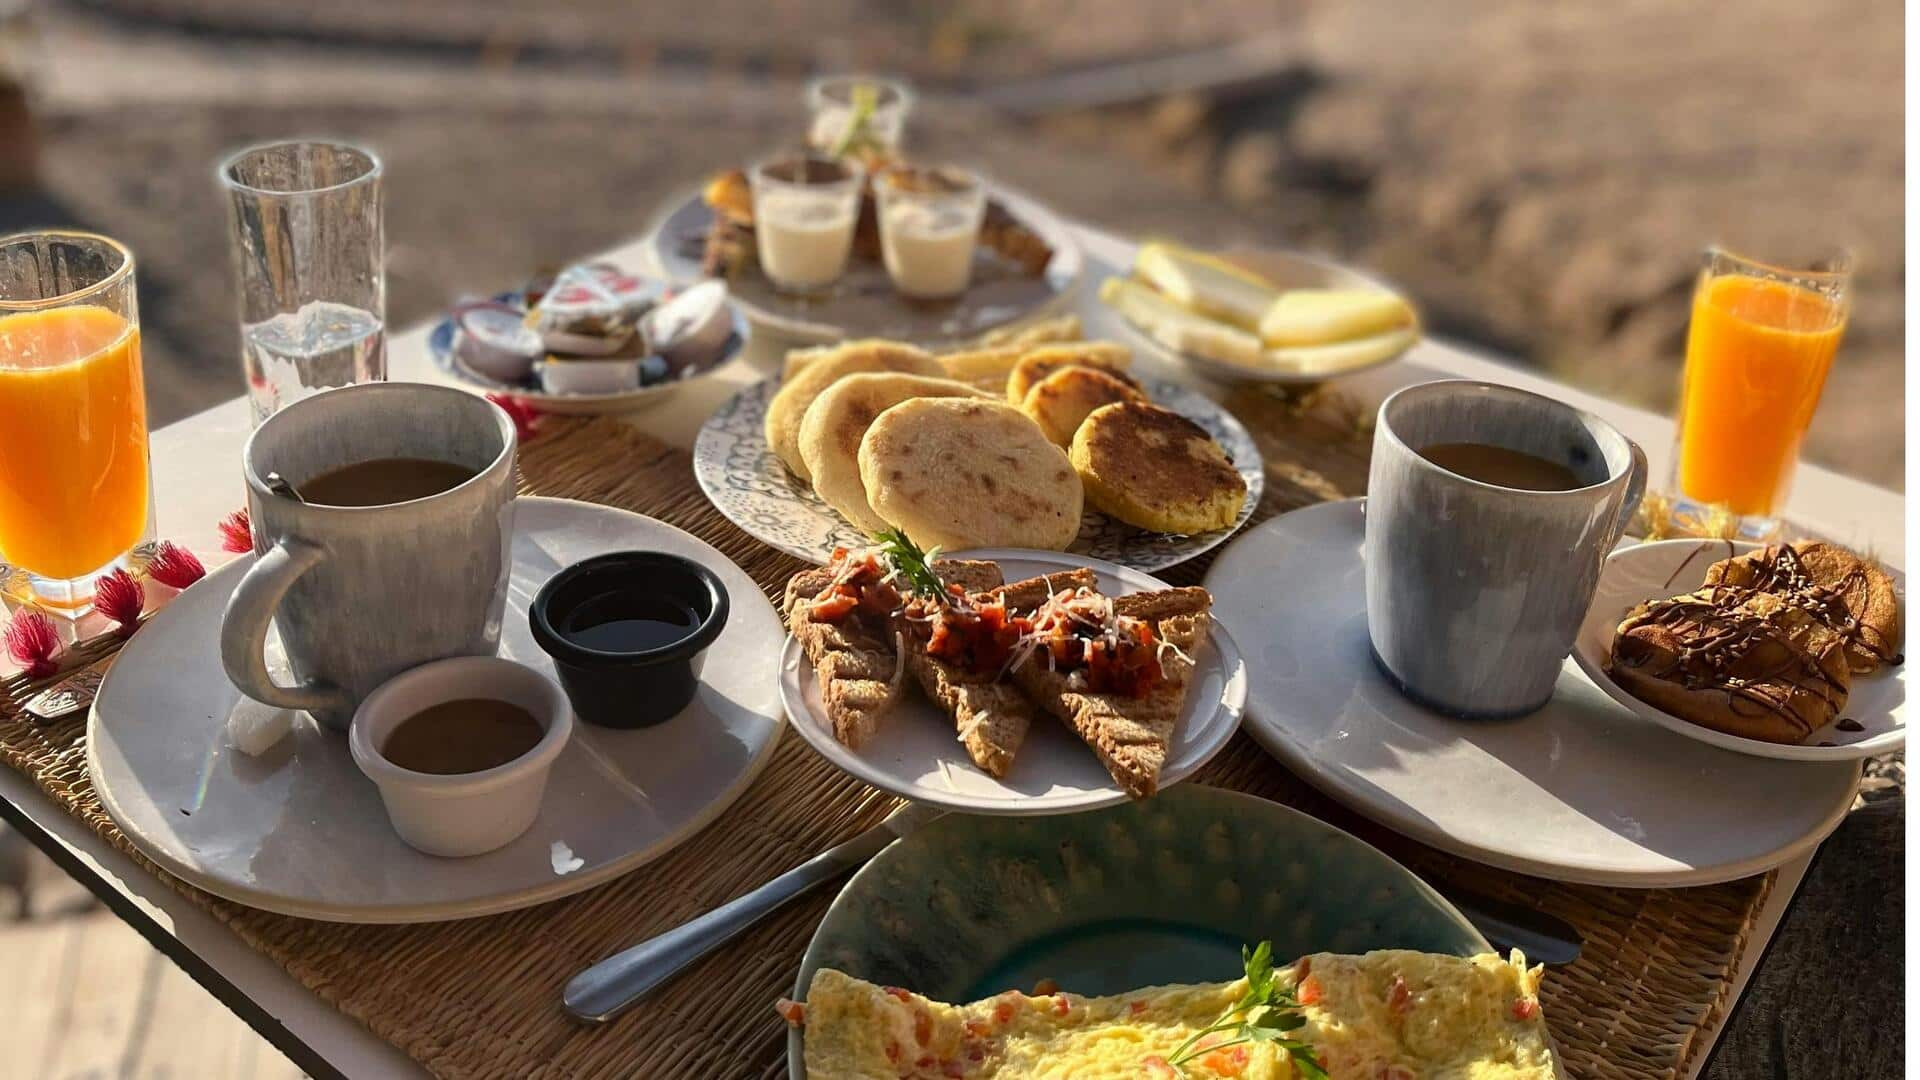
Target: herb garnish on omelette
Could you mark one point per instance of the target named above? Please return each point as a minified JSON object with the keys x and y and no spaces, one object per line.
{"x":1387,"y":1015}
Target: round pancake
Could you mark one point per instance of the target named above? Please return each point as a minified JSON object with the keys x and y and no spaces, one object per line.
{"x":1038,"y":363}
{"x":1155,"y":469}
{"x":986,"y":368}
{"x":808,"y":380}
{"x":959,"y":473}
{"x":831,"y":431}
{"x":1059,"y":402}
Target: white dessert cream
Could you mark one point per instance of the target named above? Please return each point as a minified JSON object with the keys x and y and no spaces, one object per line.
{"x":929,"y":226}
{"x":804,"y":213}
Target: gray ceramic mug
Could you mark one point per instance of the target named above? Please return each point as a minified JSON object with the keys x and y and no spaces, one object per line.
{"x":361,"y":593}
{"x":1475,"y":591}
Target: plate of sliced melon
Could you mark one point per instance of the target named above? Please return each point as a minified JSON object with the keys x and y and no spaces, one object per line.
{"x":1262,"y":316}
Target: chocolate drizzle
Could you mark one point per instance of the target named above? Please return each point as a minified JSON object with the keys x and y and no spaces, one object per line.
{"x":1782,"y":572}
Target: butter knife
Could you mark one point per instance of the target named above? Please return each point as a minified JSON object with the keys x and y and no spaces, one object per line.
{"x":602,"y":991}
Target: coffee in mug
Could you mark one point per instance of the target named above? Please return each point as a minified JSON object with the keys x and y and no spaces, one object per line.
{"x":396,"y":552}
{"x":1490,"y":512}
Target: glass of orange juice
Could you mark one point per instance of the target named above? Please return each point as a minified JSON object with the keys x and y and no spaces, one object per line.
{"x":1759,"y":346}
{"x":75,"y":485}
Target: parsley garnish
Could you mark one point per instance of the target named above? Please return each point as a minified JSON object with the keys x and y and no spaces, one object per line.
{"x":911,"y":563}
{"x":1266,"y":1013}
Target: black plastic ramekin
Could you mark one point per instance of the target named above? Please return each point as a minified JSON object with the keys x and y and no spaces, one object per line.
{"x":642,"y":687}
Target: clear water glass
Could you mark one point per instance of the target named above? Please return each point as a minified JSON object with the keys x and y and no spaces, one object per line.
{"x":309,"y":249}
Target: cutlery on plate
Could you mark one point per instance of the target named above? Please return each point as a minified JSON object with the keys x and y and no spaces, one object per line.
{"x":1544,"y":938}
{"x":602,"y":991}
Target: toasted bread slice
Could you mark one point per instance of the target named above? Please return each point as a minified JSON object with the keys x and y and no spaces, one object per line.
{"x":859,"y":670}
{"x":1132,"y":736}
{"x":1155,"y":469}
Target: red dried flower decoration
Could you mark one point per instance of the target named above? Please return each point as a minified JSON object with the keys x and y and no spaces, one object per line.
{"x":175,"y":566}
{"x":119,"y":597}
{"x":236,"y":532}
{"x":525,"y":417}
{"x":33,"y":643}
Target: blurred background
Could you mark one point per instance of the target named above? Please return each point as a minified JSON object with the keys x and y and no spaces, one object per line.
{"x":1540,"y":177}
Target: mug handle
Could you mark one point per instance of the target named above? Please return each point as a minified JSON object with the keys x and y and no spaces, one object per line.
{"x":243,"y":630}
{"x":1636,"y":488}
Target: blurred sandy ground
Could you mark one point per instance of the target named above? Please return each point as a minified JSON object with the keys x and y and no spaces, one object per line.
{"x":1541,"y":177}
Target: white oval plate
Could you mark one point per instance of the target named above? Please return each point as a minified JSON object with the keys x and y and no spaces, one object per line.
{"x":1581,"y":790}
{"x":1671,"y":567}
{"x":300,"y":831}
{"x":864,"y":304}
{"x":917,"y":755}
{"x":748,"y":482}
{"x":1286,"y":270}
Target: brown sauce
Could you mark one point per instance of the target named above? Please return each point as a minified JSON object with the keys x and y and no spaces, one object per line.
{"x":465,"y":736}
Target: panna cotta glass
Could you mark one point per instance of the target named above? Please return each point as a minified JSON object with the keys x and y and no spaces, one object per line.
{"x":929,"y":226}
{"x":805,"y":207}
{"x":875,"y":108}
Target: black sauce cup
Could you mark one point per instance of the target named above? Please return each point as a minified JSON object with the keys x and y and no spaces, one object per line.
{"x":638,"y":688}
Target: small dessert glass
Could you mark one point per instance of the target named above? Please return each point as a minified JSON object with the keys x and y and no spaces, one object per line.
{"x":929,"y":226}
{"x":862,"y":114}
{"x":805,"y":207}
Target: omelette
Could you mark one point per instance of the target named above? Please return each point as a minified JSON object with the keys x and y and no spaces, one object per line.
{"x":1388,"y":1015}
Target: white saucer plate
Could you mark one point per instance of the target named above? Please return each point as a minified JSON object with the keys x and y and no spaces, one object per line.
{"x":916,"y":754}
{"x":1285,"y":270}
{"x":1580,"y":791}
{"x":301,"y":831}
{"x":747,"y":481}
{"x":1877,"y":702}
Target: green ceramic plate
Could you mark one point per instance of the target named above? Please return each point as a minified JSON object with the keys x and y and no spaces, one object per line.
{"x":1160,"y":891}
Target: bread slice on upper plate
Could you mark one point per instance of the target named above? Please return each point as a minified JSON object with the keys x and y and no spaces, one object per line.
{"x":1130,"y":735}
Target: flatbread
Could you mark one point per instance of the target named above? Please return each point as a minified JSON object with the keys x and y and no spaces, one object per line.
{"x":959,"y":473}
{"x":809,"y":379}
{"x":1037,"y":364}
{"x":1062,"y":400}
{"x":831,"y":431}
{"x":1156,"y":470}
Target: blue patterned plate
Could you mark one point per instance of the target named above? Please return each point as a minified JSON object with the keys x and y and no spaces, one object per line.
{"x":1160,"y":891}
{"x":747,"y":481}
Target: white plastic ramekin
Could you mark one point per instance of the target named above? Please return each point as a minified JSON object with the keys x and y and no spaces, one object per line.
{"x":468,"y":813}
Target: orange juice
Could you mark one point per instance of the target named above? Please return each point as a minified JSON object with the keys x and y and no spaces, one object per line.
{"x":73,"y":440}
{"x":1758,"y":351}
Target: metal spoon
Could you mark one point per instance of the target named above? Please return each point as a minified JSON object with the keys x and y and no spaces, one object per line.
{"x":283,"y":487}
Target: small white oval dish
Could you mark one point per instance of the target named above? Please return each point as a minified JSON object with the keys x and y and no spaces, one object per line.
{"x":1876,"y":702}
{"x":916,"y":754}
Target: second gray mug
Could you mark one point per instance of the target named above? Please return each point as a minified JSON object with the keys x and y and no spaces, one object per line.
{"x":361,"y":593}
{"x":1476,"y":591}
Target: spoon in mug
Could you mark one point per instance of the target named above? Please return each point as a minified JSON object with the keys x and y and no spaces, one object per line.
{"x":283,"y":487}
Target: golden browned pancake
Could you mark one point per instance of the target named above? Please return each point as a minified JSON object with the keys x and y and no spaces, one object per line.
{"x":1037,"y":364}
{"x":1153,"y":468}
{"x":958,"y":473}
{"x":1062,"y":400}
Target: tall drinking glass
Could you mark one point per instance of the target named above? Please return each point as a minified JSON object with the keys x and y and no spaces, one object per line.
{"x":74,"y":477}
{"x":308,"y":253}
{"x":1759,"y":346}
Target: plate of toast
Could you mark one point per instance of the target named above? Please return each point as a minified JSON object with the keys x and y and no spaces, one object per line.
{"x":1005,"y":681}
{"x":1785,"y":650}
{"x":1051,"y":446}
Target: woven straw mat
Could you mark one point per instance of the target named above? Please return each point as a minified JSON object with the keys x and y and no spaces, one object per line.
{"x":481,"y":997}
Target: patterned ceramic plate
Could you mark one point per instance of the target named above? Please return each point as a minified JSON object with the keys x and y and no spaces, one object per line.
{"x":1161,"y":891}
{"x":745,"y":479}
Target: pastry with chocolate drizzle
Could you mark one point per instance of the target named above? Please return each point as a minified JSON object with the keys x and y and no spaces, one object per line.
{"x":1851,"y":595}
{"x":1768,"y":647}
